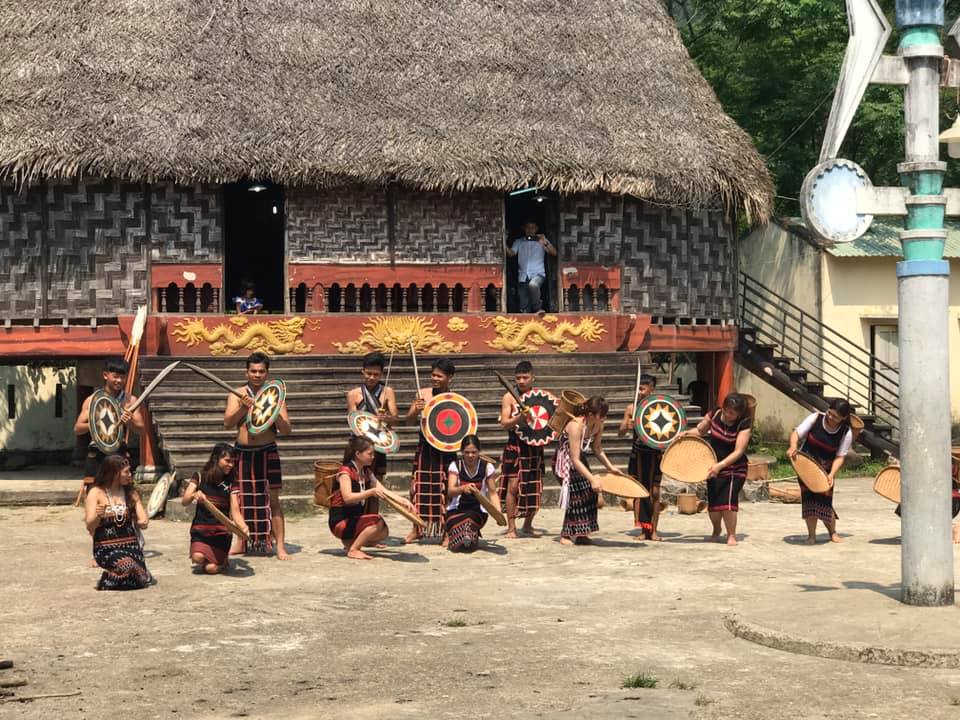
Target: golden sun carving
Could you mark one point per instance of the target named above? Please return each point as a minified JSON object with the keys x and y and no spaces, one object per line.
{"x":393,"y":334}
{"x":275,"y":337}
{"x":528,"y":335}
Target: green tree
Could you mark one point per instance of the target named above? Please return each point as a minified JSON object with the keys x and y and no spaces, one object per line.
{"x":774,"y":65}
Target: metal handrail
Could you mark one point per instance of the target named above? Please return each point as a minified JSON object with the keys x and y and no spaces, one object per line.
{"x":746,"y":280}
{"x":837,"y":360}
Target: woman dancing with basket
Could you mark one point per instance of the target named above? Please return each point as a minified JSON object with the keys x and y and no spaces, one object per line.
{"x":581,"y":488}
{"x":113,"y":512}
{"x":827,"y":438}
{"x":467,"y":477}
{"x":355,"y":501}
{"x":727,"y":430}
{"x":209,"y":538}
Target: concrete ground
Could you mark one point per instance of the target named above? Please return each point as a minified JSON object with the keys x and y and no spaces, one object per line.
{"x":525,"y":628}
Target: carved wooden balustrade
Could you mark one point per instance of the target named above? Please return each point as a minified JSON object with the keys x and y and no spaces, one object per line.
{"x":403,"y":288}
{"x":186,"y":288}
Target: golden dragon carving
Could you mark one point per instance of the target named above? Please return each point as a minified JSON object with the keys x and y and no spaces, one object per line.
{"x":393,"y":334}
{"x":275,"y":337}
{"x":527,"y":336}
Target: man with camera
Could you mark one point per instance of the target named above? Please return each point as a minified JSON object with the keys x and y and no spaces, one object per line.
{"x":530,"y":252}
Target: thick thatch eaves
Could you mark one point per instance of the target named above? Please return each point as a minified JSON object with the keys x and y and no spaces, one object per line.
{"x":577,"y":96}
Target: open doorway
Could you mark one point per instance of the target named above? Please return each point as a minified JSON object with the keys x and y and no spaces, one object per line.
{"x":253,"y":222}
{"x":539,"y":206}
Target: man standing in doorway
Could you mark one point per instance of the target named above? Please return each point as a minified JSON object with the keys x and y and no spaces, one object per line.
{"x":530,"y":251}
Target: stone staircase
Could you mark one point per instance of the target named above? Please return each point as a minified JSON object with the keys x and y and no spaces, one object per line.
{"x":187,"y":409}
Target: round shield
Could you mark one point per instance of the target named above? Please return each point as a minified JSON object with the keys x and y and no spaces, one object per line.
{"x":266,"y":406}
{"x":106,"y":430}
{"x":158,"y":497}
{"x":659,"y":420}
{"x":447,"y":419}
{"x":368,"y":425}
{"x":536,"y":430}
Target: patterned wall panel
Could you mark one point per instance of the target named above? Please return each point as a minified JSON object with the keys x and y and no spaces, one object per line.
{"x":679,"y":262}
{"x":97,"y":255}
{"x":674,"y":262}
{"x":20,"y":252}
{"x":187,"y":223}
{"x":343,"y":224}
{"x":350,"y":224}
{"x":435,"y":227}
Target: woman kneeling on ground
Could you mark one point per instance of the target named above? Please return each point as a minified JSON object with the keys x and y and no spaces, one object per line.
{"x":113,"y":512}
{"x":209,"y":538}
{"x":466,"y":478}
{"x":727,"y":429}
{"x":355,"y":501}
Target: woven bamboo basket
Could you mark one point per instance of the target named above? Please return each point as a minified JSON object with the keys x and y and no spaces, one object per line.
{"x":856,"y":425}
{"x":688,"y":459}
{"x":566,"y":409}
{"x":688,"y":504}
{"x":811,"y":473}
{"x":751,"y":406}
{"x":324,"y":475}
{"x":887,"y":483}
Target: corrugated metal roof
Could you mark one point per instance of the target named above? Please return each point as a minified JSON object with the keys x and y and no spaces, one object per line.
{"x":882,"y":240}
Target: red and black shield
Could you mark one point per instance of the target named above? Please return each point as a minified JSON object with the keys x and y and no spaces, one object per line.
{"x":541,"y":406}
{"x":447,"y":419}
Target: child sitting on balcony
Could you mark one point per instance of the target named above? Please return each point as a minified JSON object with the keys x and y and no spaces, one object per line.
{"x":248,"y":303}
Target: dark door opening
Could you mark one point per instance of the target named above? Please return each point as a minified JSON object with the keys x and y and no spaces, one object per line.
{"x":253,"y":220}
{"x":540,"y":207}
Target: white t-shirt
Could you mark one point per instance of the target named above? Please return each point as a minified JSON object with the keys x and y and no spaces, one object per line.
{"x":804,"y":428}
{"x":455,"y":470}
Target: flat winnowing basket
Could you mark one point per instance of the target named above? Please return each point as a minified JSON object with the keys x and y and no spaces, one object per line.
{"x":811,"y":473}
{"x":324,"y":476}
{"x":688,"y":459}
{"x":887,"y":483}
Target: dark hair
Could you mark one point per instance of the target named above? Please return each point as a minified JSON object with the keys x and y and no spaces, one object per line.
{"x":258,"y":358}
{"x":374,"y":359}
{"x":356,"y":444}
{"x":471,"y":440}
{"x":116,"y":365}
{"x":841,"y":406}
{"x":444,"y":365}
{"x":648,"y":379}
{"x":211,"y":469}
{"x":524,"y":367}
{"x":109,"y":469}
{"x":595,"y":405}
{"x":737,"y":402}
{"x":530,"y":221}
{"x":247,"y":285}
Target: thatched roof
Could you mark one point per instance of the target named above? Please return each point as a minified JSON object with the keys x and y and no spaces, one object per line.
{"x":452,"y":94}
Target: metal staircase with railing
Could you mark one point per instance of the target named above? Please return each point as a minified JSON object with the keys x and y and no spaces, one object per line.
{"x":812,"y":363}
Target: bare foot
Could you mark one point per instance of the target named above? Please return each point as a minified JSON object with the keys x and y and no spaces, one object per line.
{"x":444,"y":542}
{"x":358,"y":555}
{"x":532,"y":532}
{"x":411,"y":537}
{"x":639,"y":538}
{"x":510,"y":535}
{"x":282,"y":554}
{"x":731,"y":539}
{"x":91,"y":563}
{"x":810,"y":541}
{"x":835,"y":538}
{"x":380,"y":546}
{"x":566,"y":541}
{"x":715,"y":538}
{"x":655,"y":538}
